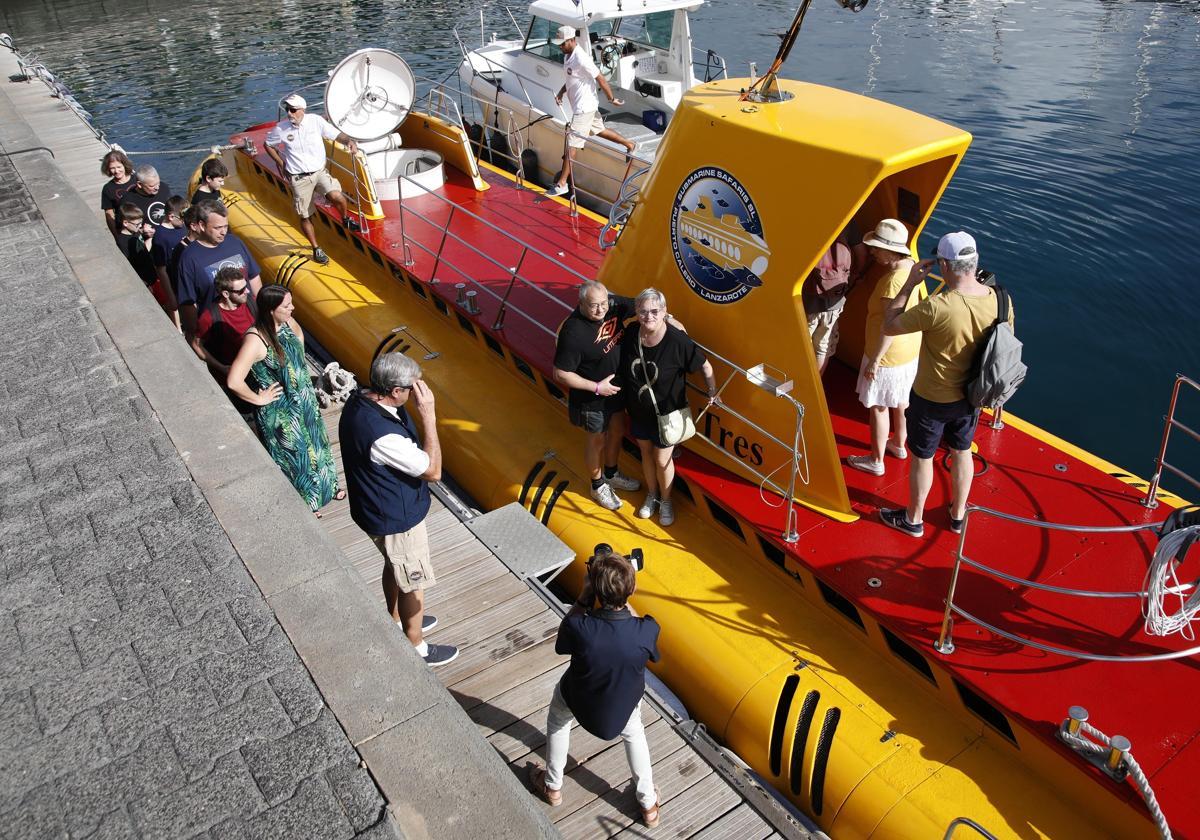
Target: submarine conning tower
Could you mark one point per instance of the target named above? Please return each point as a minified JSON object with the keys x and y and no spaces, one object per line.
{"x":742,"y":201}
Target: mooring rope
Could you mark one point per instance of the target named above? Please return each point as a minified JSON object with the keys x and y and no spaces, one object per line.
{"x":1101,"y":747}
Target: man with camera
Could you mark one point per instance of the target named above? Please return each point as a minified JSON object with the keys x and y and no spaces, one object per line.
{"x":609,"y":645}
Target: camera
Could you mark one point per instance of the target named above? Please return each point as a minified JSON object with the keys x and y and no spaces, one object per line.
{"x":636,"y":558}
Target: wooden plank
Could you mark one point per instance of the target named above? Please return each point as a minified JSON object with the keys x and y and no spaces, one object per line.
{"x":517,"y":741}
{"x":514,"y":704}
{"x":529,"y":663}
{"x":742,"y":823}
{"x":697,"y":807}
{"x":476,"y":657}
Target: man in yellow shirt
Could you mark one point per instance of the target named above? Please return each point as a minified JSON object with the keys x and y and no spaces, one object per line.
{"x":952,"y":325}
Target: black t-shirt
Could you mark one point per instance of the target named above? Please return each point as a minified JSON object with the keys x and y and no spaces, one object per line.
{"x":666,"y":369}
{"x":200,"y":195}
{"x":607,"y":675}
{"x":112,"y":193}
{"x":590,"y":348}
{"x":154,"y":206}
{"x":135,"y":250}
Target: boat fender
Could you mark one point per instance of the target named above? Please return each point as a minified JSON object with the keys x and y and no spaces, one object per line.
{"x":529,"y":167}
{"x":501,"y":152}
{"x":475,"y":136}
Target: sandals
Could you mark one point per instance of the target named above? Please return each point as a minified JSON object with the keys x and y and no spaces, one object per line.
{"x":650,"y":815}
{"x":537,"y":781}
{"x":339,"y":494}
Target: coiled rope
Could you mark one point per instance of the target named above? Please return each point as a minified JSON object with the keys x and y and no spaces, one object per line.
{"x":335,"y":386}
{"x":1101,"y":747}
{"x":1162,"y":582}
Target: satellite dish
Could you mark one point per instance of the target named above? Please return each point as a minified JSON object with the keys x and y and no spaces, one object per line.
{"x":369,"y":94}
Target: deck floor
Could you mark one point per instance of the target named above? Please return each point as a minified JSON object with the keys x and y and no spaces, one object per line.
{"x":505,"y":674}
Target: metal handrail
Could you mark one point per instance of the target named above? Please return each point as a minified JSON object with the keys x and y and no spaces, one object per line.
{"x":945,"y":642}
{"x":969,"y":823}
{"x":1160,"y":463}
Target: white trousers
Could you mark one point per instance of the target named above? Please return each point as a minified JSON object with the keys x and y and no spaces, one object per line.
{"x":558,"y":737}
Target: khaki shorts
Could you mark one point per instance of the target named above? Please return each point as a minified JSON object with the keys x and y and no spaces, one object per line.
{"x":408,"y":555}
{"x":823,"y":327}
{"x":306,"y":187}
{"x":581,"y":126}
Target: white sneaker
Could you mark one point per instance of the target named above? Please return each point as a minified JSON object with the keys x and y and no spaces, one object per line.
{"x":557,"y":189}
{"x":606,"y":498}
{"x":620,"y":481}
{"x":866,"y":463}
{"x":896,"y":451}
{"x":666,"y":512}
{"x":648,"y":506}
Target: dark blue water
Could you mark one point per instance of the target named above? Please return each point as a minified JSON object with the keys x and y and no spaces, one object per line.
{"x":1081,"y":186}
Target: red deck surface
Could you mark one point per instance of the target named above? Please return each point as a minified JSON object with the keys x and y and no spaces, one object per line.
{"x":1025,"y":476}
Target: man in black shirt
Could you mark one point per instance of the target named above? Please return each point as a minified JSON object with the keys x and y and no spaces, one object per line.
{"x":586,"y":359}
{"x":151,"y":194}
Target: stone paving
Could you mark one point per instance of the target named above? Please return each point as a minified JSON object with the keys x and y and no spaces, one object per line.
{"x":146,"y":690}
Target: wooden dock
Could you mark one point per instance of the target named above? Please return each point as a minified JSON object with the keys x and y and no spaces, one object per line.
{"x":504,"y":677}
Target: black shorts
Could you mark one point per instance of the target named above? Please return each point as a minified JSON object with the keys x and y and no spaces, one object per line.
{"x":594,"y":417}
{"x":931,"y":422}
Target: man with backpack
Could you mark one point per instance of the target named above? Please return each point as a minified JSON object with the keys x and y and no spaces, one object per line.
{"x":954,"y":326}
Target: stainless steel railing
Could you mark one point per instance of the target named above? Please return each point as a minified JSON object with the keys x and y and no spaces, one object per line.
{"x":945,"y":643}
{"x":969,"y":823}
{"x":1160,"y":463}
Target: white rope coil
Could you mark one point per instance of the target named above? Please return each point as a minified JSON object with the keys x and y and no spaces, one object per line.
{"x":1162,"y":582}
{"x":1101,"y":747}
{"x":335,"y":386}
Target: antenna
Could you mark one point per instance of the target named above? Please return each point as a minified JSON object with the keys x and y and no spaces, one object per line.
{"x":764,"y":89}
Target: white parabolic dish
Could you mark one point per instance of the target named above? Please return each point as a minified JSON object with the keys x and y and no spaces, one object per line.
{"x":369,"y":93}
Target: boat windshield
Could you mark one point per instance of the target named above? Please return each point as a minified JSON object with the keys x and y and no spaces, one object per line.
{"x":537,"y":41}
{"x":652,"y":30}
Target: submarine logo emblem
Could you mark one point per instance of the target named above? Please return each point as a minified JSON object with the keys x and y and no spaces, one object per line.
{"x":717,"y":236}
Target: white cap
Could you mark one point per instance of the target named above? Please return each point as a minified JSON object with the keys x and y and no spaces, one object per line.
{"x":295,"y":100}
{"x":957,"y":246}
{"x":564,"y":34}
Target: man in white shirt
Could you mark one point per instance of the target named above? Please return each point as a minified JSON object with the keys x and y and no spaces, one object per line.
{"x":297,"y":145}
{"x":583,"y":79}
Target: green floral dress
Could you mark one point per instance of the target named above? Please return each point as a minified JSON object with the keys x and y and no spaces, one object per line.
{"x":291,"y":427}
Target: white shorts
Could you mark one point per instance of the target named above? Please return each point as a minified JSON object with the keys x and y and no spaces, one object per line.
{"x":890,"y":387}
{"x":581,"y":126}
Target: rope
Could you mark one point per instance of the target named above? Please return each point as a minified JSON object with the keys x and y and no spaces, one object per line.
{"x":335,"y":386}
{"x":1101,"y":747}
{"x":212,"y":150}
{"x":1162,"y":581}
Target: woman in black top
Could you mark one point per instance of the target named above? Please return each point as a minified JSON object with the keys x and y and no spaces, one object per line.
{"x":117,"y":165}
{"x":667,"y":355}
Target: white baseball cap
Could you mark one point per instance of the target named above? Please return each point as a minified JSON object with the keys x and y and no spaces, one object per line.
{"x":957,"y":246}
{"x":564,"y":34}
{"x":295,"y":100}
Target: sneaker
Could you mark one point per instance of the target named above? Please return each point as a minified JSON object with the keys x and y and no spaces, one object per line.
{"x":896,"y":450}
{"x":865,"y":463}
{"x":620,"y":481}
{"x":557,"y":189}
{"x":648,"y":506}
{"x":898,"y":518}
{"x":320,"y":257}
{"x":427,"y":623}
{"x":606,"y":498}
{"x":956,"y":525}
{"x":351,"y":224}
{"x":440,"y":655}
{"x":666,"y":512}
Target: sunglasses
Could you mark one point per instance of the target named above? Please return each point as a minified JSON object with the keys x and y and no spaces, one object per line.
{"x":290,"y":109}
{"x":240,"y":291}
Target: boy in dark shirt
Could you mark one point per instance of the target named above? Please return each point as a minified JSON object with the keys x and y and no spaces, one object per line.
{"x":213,"y":173}
{"x":134,"y":240}
{"x":169,"y":234}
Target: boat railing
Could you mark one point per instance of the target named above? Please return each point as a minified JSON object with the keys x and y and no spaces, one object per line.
{"x":969,"y":823}
{"x":713,"y":65}
{"x":1160,"y":463}
{"x":945,"y":642}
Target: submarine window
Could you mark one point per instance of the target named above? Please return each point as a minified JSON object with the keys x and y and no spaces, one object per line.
{"x":903,"y":650}
{"x":554,"y":390}
{"x":985,"y":710}
{"x":840,"y":603}
{"x":340,"y":231}
{"x":493,"y":345}
{"x":773,"y":552}
{"x":417,"y":288}
{"x":781,"y":715}
{"x":279,"y":185}
{"x":441,"y":305}
{"x":725,"y":518}
{"x":258,"y":169}
{"x":375,"y":256}
{"x":357,"y":245}
{"x":680,"y":486}
{"x":524,"y":367}
{"x":631,"y":448}
{"x":465,"y":323}
{"x":908,"y":206}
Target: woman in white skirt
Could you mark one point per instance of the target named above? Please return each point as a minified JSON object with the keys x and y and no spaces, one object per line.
{"x":886,"y":375}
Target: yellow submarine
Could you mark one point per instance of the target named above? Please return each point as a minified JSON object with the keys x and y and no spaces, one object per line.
{"x":822,"y":680}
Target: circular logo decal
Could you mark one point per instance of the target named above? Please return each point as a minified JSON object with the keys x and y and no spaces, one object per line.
{"x":157,"y":213}
{"x":717,"y":237}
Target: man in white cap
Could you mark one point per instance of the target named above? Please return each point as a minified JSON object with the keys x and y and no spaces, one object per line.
{"x":297,"y":145}
{"x":951,"y":324}
{"x":583,"y":79}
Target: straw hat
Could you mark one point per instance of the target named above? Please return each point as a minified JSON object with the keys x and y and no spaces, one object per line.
{"x":889,"y":235}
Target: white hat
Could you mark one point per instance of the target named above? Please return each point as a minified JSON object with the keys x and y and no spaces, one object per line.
{"x":889,"y":235}
{"x":564,"y":34}
{"x":957,"y":246}
{"x":294,"y":100}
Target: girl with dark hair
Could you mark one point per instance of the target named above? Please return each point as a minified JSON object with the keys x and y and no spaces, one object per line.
{"x":289,"y":418}
{"x":120,"y":169}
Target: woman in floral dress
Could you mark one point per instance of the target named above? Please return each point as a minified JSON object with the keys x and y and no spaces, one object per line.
{"x":289,"y":418}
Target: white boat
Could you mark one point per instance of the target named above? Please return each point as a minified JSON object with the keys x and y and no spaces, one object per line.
{"x":643,"y":48}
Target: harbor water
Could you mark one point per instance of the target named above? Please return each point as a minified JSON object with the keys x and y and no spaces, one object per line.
{"x":1081,"y":185}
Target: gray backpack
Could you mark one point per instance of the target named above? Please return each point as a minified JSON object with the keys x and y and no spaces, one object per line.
{"x":998,"y":369}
